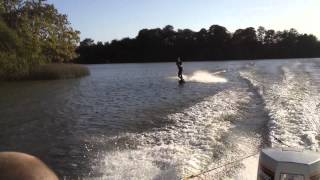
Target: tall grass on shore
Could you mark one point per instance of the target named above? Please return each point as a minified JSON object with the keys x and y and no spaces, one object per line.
{"x":58,"y":71}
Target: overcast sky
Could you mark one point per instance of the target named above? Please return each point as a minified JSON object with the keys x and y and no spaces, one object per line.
{"x":105,"y":20}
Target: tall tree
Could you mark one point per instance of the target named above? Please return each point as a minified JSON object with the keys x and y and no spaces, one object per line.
{"x":35,"y":33}
{"x":57,"y":38}
{"x":261,"y":34}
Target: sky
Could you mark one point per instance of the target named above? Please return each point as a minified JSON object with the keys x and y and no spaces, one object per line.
{"x":105,"y":20}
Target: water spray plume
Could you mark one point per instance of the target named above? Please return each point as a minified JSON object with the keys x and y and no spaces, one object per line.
{"x":205,"y":77}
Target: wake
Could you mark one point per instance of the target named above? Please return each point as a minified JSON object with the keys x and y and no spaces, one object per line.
{"x":292,"y":104}
{"x":202,"y":136}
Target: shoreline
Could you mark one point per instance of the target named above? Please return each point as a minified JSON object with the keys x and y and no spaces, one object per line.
{"x":51,"y":72}
{"x":173,"y":60}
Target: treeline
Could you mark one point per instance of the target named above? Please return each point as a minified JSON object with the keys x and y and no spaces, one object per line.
{"x":215,"y":43}
{"x":32,"y":33}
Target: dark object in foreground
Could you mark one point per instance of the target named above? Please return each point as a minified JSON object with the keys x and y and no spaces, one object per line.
{"x":288,"y":163}
{"x":20,"y":166}
{"x":58,"y":71}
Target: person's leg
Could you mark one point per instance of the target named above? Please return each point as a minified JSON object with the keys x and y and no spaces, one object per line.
{"x":22,"y":166}
{"x":180,"y":74}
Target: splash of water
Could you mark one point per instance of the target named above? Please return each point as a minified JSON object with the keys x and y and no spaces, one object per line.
{"x":205,"y":77}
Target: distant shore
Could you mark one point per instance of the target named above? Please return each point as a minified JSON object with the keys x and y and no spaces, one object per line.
{"x":194,"y":60}
{"x":215,"y":43}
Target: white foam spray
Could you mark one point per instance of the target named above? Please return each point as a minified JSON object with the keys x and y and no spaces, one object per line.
{"x":198,"y":139}
{"x":204,"y":77}
{"x":292,"y":103}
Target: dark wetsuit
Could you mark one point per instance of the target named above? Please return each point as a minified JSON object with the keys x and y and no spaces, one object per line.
{"x":180,"y":69}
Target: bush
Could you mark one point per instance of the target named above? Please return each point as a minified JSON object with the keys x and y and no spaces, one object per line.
{"x":13,"y":67}
{"x":58,"y":71}
{"x":17,"y":55}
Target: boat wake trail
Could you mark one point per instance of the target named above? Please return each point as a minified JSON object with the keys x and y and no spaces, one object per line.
{"x":207,"y":134}
{"x":292,"y":103}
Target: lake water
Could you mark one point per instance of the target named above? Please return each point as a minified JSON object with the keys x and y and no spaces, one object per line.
{"x":134,"y":121}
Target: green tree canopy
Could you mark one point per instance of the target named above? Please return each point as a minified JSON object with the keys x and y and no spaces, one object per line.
{"x":35,"y":32}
